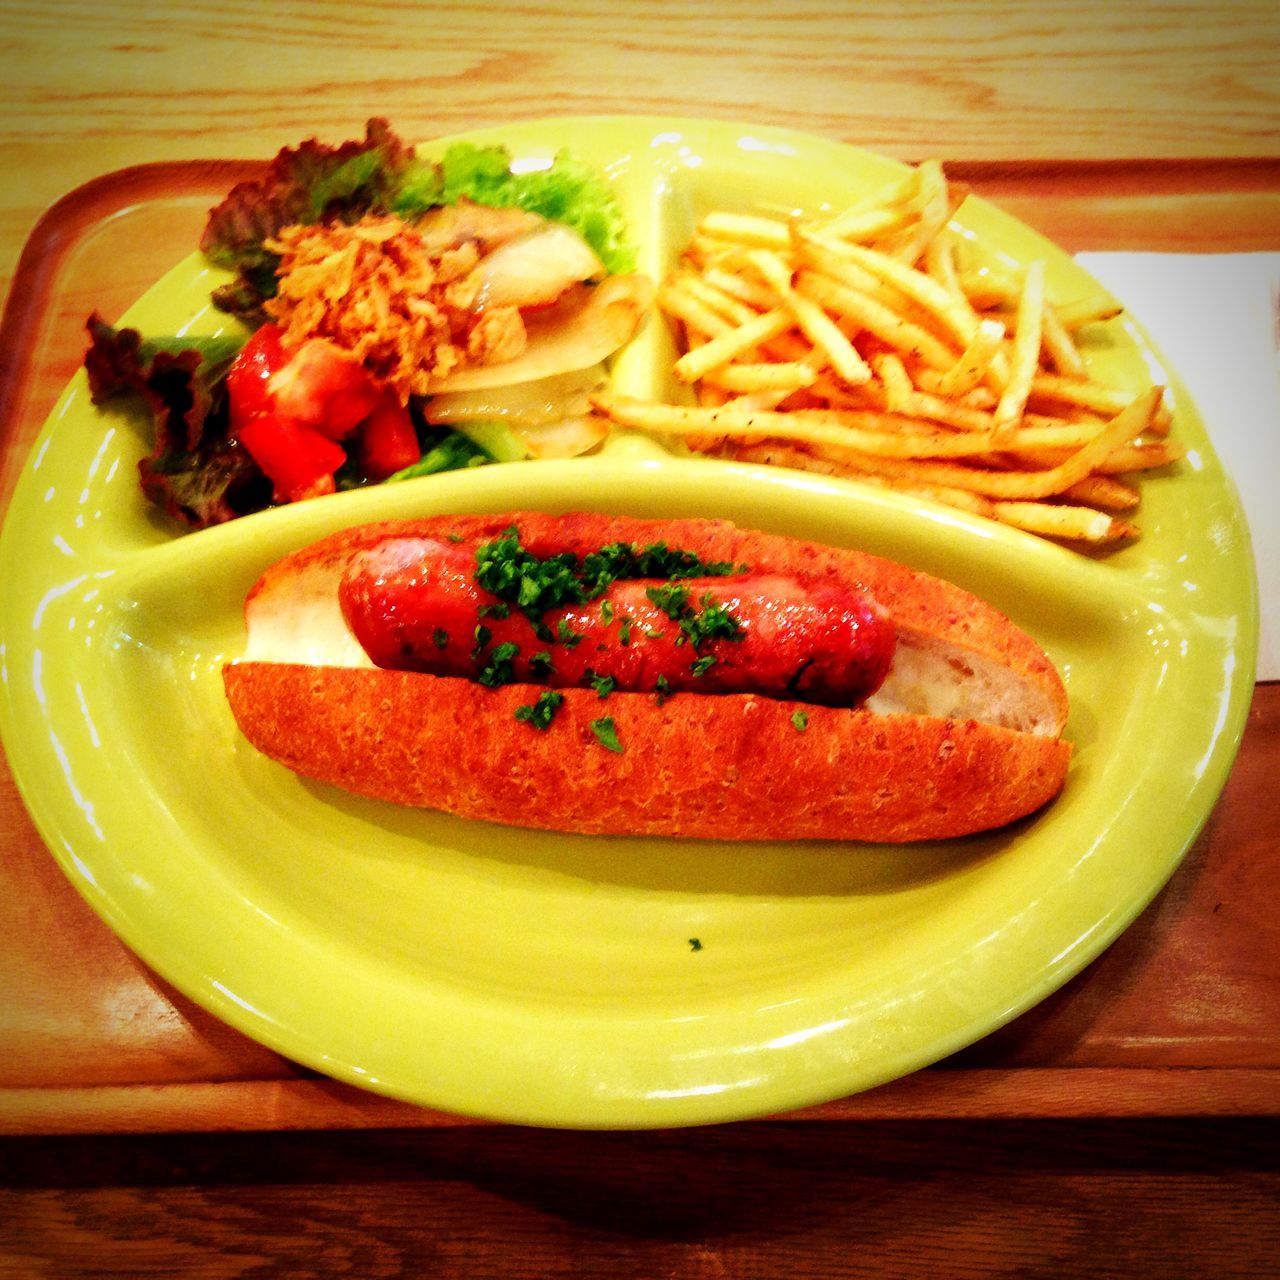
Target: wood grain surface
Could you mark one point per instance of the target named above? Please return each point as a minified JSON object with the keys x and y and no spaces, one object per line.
{"x":91,"y":87}
{"x":1035,"y":1201}
{"x":1095,"y":87}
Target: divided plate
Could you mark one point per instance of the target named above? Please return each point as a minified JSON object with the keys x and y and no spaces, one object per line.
{"x":559,"y":980}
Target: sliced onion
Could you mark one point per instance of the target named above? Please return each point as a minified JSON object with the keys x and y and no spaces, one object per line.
{"x":535,"y":268}
{"x":521,"y":404}
{"x":451,"y":225}
{"x":565,"y":437}
{"x":586,"y":330}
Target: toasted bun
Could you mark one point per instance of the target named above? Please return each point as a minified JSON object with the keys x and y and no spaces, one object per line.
{"x":963,"y":737}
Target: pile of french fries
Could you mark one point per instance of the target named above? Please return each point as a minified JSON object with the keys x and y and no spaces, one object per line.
{"x":867,"y":344}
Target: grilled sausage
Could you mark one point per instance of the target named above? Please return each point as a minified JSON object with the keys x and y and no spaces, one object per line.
{"x":414,"y":605}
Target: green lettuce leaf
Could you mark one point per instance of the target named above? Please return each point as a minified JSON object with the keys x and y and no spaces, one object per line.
{"x":567,"y":191}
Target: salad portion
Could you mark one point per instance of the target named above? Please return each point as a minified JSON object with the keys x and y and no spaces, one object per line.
{"x":399,"y":316}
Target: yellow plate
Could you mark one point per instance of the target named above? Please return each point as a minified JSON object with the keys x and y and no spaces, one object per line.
{"x":551,"y":979}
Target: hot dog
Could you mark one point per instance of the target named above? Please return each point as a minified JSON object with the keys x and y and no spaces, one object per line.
{"x":613,"y":675}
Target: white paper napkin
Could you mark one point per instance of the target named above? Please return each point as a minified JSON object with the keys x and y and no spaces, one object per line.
{"x":1215,"y":318}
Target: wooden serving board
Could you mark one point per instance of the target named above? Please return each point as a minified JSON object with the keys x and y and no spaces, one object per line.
{"x":1181,"y":1016}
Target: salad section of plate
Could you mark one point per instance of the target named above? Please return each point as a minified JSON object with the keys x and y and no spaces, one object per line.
{"x":575,"y":981}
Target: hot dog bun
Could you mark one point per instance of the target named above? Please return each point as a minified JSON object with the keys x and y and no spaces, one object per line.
{"x":963,"y":736}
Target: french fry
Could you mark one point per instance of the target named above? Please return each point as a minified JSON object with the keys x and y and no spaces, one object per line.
{"x":951,"y":315}
{"x":931,"y":380}
{"x":704,"y":251}
{"x":896,"y":195}
{"x":1093,"y":310}
{"x":879,"y":435}
{"x":961,"y":499}
{"x":1103,"y":491}
{"x":1076,"y":524}
{"x":812,"y":459}
{"x":744,"y":228}
{"x":1060,"y":346}
{"x":727,"y":346}
{"x":1141,"y":457}
{"x":682,"y":304}
{"x":875,"y":318}
{"x":779,"y":376}
{"x":1027,"y":336}
{"x":827,"y":259}
{"x":1072,"y":522}
{"x":1023,"y":484}
{"x":988,"y":288}
{"x":732,"y":310}
{"x":975,"y":360}
{"x":898,"y":387}
{"x":935,"y":212}
{"x":822,"y":331}
{"x":950,"y":413}
{"x":755,"y":295}
{"x":1049,"y":434}
{"x":1054,"y":388}
{"x":863,"y":226}
{"x":940,"y":263}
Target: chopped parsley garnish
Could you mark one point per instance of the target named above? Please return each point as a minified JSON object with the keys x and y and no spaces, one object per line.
{"x":440,"y":638}
{"x":540,"y":663}
{"x":607,"y":734}
{"x":603,"y":685}
{"x":567,"y":635}
{"x":606,"y":611}
{"x":498,"y":609}
{"x":671,"y":598}
{"x":482,"y":637}
{"x":695,"y":944}
{"x":537,"y":584}
{"x":532,"y":583}
{"x":539,"y":713}
{"x":625,"y":560}
{"x":697,"y":626}
{"x":499,"y":669}
{"x":703,"y":664}
{"x":624,"y":632}
{"x":663,"y":689}
{"x":801,"y":721}
{"x":714,"y":622}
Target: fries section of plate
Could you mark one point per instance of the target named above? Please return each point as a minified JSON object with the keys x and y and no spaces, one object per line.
{"x":881,"y":344}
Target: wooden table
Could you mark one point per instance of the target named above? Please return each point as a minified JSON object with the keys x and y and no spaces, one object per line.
{"x":1127,"y":1126}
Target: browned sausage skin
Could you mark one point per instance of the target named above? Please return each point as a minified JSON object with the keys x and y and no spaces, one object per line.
{"x":415,"y":604}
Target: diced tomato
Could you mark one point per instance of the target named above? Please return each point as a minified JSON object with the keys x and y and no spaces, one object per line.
{"x":323,"y":387}
{"x":388,"y":441}
{"x":259,"y":359}
{"x":298,"y":460}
